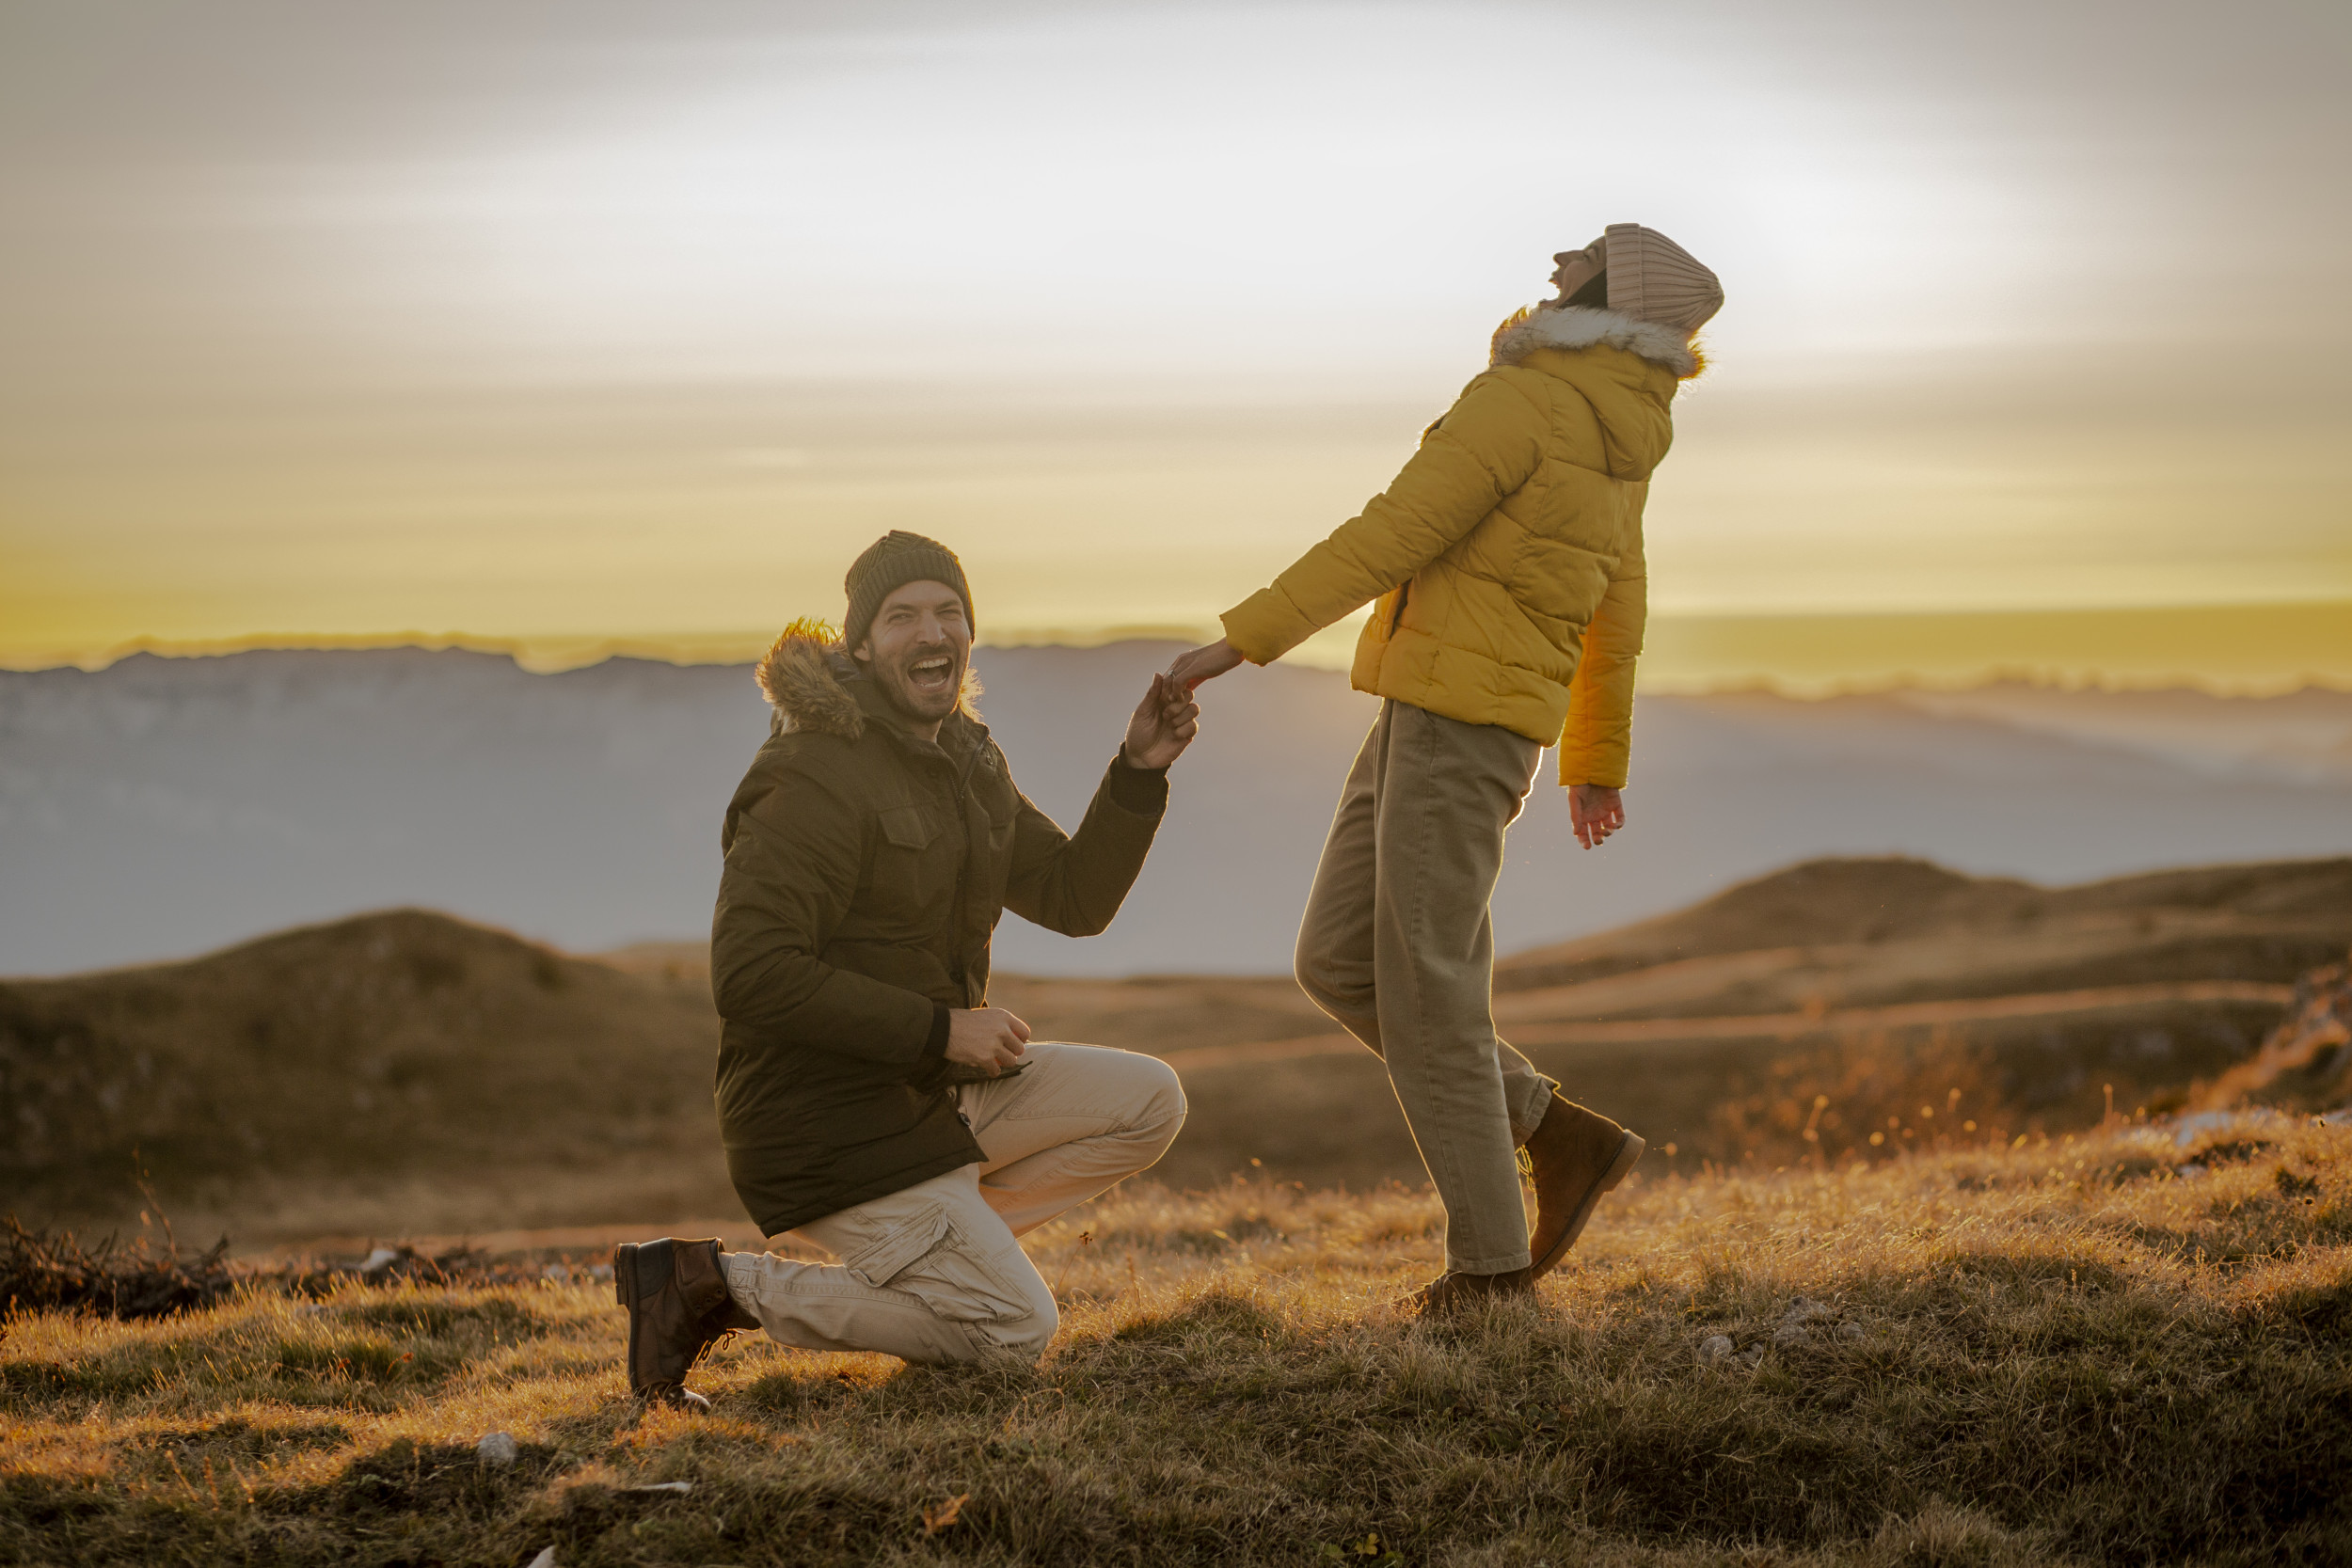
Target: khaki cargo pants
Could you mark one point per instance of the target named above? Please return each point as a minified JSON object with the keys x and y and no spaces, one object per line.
{"x":934,"y":1272}
{"x":1397,"y":947}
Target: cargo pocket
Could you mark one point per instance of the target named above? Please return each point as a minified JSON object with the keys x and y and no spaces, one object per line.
{"x":913,"y":871}
{"x":908,"y":827}
{"x":887,"y":1256}
{"x":1001,"y":826}
{"x":929,"y":1258}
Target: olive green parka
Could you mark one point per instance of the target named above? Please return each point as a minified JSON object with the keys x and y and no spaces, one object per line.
{"x":865,"y":870}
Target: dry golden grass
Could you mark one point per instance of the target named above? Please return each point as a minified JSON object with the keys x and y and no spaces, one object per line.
{"x":2064,"y":1352}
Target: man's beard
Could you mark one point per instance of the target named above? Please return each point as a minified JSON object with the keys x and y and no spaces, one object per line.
{"x":920,"y":693}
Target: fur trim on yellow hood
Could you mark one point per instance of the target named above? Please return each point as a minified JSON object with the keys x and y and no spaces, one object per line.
{"x":1580,"y":326}
{"x":802,"y":673}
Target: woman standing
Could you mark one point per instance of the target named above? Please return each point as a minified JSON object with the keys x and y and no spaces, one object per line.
{"x":1506,"y":562}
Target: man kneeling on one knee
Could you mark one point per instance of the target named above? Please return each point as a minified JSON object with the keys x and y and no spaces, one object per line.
{"x":869,"y":1099}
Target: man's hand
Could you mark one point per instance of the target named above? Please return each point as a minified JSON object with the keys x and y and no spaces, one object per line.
{"x":1595,"y":811}
{"x":1203,"y":664}
{"x":1164,"y":723}
{"x":989,"y":1038}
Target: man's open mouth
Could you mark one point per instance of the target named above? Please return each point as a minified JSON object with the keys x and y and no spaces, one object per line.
{"x":931,"y":676}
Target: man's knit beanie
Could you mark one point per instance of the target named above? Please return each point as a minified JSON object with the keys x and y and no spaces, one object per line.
{"x":892,"y":561}
{"x":1653,"y":279}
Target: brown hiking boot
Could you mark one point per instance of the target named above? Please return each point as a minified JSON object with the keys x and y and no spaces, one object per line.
{"x":679,"y":1306}
{"x":1453,"y":1293}
{"x":1576,"y":1155}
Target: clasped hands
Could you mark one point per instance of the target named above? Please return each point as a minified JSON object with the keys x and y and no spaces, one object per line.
{"x":1168,"y":717}
{"x":1162,"y":725}
{"x":1204,"y":664}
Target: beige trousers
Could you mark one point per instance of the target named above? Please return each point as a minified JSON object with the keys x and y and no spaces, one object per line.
{"x":934,"y":1272}
{"x":1398,"y":946}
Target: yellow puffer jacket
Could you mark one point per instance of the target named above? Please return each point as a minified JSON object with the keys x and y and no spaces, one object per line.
{"x":1507,"y":555}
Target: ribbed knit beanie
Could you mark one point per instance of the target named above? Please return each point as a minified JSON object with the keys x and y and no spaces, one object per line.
{"x":1651,"y":278}
{"x":892,"y":561}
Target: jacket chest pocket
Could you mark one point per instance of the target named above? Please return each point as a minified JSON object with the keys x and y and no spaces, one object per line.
{"x":995,"y":824}
{"x":915,"y":861}
{"x":999,"y":827}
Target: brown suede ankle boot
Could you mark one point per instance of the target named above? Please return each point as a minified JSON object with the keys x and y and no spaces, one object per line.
{"x":1452,"y":1294}
{"x":1576,"y":1156}
{"x":678,"y":1305}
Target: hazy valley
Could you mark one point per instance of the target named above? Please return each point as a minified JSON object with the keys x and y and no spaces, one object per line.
{"x":162,"y":808}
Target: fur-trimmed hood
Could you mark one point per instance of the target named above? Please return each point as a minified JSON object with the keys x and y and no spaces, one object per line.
{"x":1573,"y":326}
{"x":807,"y":677}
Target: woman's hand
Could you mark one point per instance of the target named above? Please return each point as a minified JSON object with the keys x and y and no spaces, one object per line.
{"x":1595,"y":811}
{"x":1203,"y":664}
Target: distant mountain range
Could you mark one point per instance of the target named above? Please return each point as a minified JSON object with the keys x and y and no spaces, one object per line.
{"x":162,"y":807}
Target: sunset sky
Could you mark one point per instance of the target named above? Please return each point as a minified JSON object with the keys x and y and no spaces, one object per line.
{"x":619,"y":324}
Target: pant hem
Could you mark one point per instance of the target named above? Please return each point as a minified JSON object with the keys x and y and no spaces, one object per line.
{"x":1507,"y":1264}
{"x":742,"y":1276}
{"x":1522,"y":1131}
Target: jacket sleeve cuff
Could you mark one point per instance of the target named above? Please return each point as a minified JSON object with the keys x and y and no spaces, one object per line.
{"x":1141,"y":790}
{"x":1591,"y":767}
{"x":1265,"y":626}
{"x":936,"y":1045}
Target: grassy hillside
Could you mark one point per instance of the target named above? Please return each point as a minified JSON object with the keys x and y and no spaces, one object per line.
{"x":349,"y":1074}
{"x":1790,"y":1017}
{"x":2116,"y":1348}
{"x":1844,"y":933}
{"x":405,"y":1073}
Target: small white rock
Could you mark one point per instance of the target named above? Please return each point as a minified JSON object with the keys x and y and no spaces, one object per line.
{"x":500,"y":1448}
{"x":680,"y":1487}
{"x":2188,"y":1172}
{"x":2184,"y":1129}
{"x":544,"y":1560}
{"x":383,"y":1258}
{"x":1715,"y":1350}
{"x":1850,"y":1331}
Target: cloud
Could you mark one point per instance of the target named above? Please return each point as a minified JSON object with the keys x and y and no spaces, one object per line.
{"x":321,"y":301}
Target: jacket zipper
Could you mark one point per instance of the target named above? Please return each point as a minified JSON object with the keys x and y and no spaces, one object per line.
{"x":964,"y":873}
{"x":963,"y":868}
